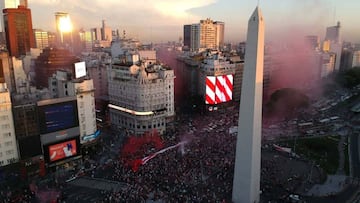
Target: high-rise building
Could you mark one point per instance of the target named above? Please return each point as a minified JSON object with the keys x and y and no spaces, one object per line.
{"x":106,"y":33}
{"x":6,"y":71}
{"x":8,"y":150}
{"x":51,"y":60}
{"x":333,"y":33}
{"x":195,"y":37}
{"x":335,"y":45}
{"x":141,"y":98}
{"x":86,"y":42}
{"x":313,"y":41}
{"x":356,"y":59}
{"x":208,"y":31}
{"x":83,"y":89}
{"x":220,"y":32}
{"x":246,"y":184}
{"x":207,"y":34}
{"x":19,"y":31}
{"x":216,"y":79}
{"x":187,"y":35}
{"x":41,"y":39}
{"x":63,"y":30}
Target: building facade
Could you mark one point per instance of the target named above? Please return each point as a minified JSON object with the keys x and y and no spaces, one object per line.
{"x":41,"y":39}
{"x":216,"y":79}
{"x":19,"y":31}
{"x":62,"y":85}
{"x":207,"y":34}
{"x":8,"y":145}
{"x":356,"y":59}
{"x":51,"y":60}
{"x":141,"y":98}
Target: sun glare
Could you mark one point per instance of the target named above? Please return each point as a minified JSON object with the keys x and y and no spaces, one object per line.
{"x":65,"y":24}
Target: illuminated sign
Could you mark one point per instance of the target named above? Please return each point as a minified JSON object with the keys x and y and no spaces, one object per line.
{"x":62,"y":150}
{"x":138,"y":113}
{"x":80,"y":69}
{"x":218,"y":89}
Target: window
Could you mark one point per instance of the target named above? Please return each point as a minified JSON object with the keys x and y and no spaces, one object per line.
{"x":9,"y":152}
{"x":6,"y":135}
{"x":5,"y":126}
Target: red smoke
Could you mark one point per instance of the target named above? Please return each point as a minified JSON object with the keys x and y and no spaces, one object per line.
{"x":136,"y":147}
{"x":292,"y":63}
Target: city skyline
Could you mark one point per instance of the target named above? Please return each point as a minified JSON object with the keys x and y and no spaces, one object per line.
{"x":163,"y":21}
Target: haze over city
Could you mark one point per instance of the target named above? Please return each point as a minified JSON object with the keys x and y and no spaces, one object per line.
{"x":225,"y":101}
{"x":163,"y":20}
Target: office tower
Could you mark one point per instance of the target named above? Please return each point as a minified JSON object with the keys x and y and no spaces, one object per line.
{"x":195,"y":37}
{"x":86,"y":42}
{"x":8,"y":150}
{"x":333,"y":33}
{"x":19,"y":32}
{"x":106,"y":33}
{"x":313,"y":41}
{"x":220,"y":32}
{"x":187,"y":34}
{"x":205,"y":35}
{"x":51,"y":60}
{"x":246,"y":185}
{"x":356,"y":59}
{"x":41,"y":39}
{"x":95,"y":34}
{"x":333,"y":37}
{"x":63,"y":29}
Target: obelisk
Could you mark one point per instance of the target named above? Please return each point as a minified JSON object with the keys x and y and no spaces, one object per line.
{"x":246,"y":185}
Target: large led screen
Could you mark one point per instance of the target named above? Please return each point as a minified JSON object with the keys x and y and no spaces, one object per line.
{"x":58,"y":116}
{"x":218,"y":89}
{"x":62,"y":150}
{"x":80,"y":69}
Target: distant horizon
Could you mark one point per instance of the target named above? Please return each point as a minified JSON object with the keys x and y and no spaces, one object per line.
{"x":163,"y":20}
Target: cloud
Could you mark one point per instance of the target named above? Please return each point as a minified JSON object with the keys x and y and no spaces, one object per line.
{"x":124,"y":14}
{"x":170,"y":10}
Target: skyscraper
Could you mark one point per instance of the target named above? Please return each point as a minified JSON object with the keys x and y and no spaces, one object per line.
{"x":333,"y":33}
{"x":207,"y":34}
{"x":187,"y":34}
{"x":246,"y":185}
{"x":41,"y":39}
{"x":106,"y":33}
{"x":19,"y":32}
{"x":63,"y":29}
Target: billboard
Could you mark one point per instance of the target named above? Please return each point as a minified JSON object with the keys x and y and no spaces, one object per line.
{"x":80,"y":69}
{"x":218,"y":89}
{"x":62,"y":150}
{"x":56,"y":116}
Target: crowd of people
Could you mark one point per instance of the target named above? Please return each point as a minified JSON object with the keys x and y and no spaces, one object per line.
{"x":201,"y":172}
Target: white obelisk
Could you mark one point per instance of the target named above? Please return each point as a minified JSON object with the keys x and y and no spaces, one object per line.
{"x":246,"y":185}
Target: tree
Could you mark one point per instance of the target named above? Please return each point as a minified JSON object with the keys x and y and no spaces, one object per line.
{"x":284,"y":102}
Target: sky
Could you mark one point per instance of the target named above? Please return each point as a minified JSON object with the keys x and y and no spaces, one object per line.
{"x":163,"y":20}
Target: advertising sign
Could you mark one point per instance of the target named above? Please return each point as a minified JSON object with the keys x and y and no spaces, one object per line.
{"x":218,"y":89}
{"x":62,"y":150}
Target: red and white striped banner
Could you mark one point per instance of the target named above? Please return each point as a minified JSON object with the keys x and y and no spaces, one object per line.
{"x":218,"y":89}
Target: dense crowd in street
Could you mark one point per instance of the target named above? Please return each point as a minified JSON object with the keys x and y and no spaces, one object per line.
{"x":202,"y":172}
